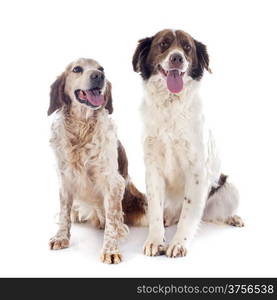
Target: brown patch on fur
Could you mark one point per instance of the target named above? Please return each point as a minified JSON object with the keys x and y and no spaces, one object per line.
{"x":122,"y":161}
{"x":200,"y":62}
{"x":57,"y":95}
{"x":134,"y":202}
{"x":140,"y":56}
{"x":134,"y":205}
{"x":221,"y":181}
{"x":109,"y":100}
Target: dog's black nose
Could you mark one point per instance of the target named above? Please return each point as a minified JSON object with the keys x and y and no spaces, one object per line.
{"x":176,"y":60}
{"x":97,"y":79}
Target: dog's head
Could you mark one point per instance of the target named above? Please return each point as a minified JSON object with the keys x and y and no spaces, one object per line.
{"x":82,"y":83}
{"x":171,"y":55}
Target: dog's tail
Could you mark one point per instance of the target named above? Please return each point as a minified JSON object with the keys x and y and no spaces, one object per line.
{"x":222,"y":203}
{"x":134,"y":206}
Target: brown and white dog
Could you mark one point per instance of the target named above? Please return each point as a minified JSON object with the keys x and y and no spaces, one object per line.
{"x":183,"y":179}
{"x":92,"y":164}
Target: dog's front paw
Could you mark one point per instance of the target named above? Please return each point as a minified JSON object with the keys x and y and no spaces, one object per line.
{"x":235,"y":221}
{"x":59,"y":242}
{"x":110,"y":252}
{"x":153,"y":247}
{"x":111,"y":258}
{"x":176,"y":249}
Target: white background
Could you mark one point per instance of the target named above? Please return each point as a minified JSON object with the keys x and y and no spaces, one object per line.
{"x":39,"y":38}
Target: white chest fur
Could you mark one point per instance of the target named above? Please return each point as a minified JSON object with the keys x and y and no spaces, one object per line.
{"x":87,"y":152}
{"x":175,"y":140}
{"x":173,"y":127}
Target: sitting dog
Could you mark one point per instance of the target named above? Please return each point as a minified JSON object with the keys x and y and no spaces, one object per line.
{"x":92,"y":164}
{"x":183,"y":179}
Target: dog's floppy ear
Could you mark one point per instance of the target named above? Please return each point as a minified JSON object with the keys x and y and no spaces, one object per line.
{"x":57,"y":95}
{"x":139,"y":58}
{"x":200,"y":62}
{"x":109,"y":99}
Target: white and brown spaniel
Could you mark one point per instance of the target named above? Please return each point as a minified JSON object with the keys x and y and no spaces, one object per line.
{"x":184,"y":183}
{"x":92,"y":164}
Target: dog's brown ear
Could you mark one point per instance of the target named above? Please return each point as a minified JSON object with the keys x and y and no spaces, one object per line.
{"x":57,"y":95}
{"x":109,"y":99}
{"x":140,"y":57}
{"x":201,"y":61}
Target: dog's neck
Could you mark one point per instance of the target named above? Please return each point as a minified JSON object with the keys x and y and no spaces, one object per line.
{"x":80,"y":122}
{"x":82,"y":113}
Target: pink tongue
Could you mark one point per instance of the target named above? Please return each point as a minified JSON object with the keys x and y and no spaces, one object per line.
{"x":174,"y":81}
{"x":95,"y":99}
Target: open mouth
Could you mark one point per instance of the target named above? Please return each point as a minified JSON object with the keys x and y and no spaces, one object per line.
{"x":174,"y":79}
{"x":91,"y":97}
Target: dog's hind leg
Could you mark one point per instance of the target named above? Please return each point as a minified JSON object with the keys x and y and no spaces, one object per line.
{"x":76,"y":216}
{"x":222,"y":203}
{"x":82,"y":212}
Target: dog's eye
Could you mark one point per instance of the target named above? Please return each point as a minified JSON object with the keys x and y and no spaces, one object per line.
{"x":78,"y":69}
{"x":163,"y":44}
{"x":101,"y":69}
{"x":186,"y":46}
